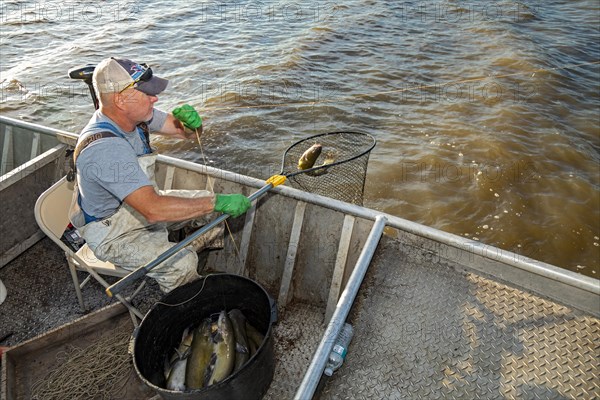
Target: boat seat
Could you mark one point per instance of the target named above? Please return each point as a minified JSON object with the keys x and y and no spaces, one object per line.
{"x":52,"y":216}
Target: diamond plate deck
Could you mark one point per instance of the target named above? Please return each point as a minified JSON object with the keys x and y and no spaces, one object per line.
{"x":423,"y":330}
{"x":297,"y":336}
{"x":428,"y":331}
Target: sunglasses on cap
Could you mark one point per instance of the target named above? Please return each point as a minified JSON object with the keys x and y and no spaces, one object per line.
{"x":140,"y":76}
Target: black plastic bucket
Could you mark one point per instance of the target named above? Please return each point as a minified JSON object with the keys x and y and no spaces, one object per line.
{"x":161,"y":329}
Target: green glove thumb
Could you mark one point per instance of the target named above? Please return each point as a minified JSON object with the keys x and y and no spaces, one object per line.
{"x":232,"y":204}
{"x":188,"y":116}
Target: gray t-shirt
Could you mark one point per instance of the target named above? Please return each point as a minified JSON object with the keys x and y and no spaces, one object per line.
{"x":107,"y":169}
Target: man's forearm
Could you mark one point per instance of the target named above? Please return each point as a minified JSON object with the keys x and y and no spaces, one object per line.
{"x":172,"y":208}
{"x":156,"y":208}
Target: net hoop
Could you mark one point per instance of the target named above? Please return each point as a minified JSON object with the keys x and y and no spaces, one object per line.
{"x":344,"y":177}
{"x":310,"y":138}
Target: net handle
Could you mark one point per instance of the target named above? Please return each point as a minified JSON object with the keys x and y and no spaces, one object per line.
{"x":320,"y":167}
{"x":272,"y":182}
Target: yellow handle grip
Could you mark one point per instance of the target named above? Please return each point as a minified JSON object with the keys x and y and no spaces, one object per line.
{"x":276,"y":180}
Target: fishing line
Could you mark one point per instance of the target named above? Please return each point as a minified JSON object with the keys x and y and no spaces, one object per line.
{"x":190,"y":299}
{"x":414,"y":88}
{"x":211,"y":187}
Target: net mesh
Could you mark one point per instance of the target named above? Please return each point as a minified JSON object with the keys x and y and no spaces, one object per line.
{"x":346,"y":153}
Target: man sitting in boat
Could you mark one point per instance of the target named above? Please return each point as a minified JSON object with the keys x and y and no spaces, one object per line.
{"x":118,"y":208}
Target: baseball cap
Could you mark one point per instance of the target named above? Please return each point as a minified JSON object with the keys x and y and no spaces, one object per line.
{"x":113,"y":75}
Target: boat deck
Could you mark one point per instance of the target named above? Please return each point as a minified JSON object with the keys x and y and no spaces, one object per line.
{"x":41,"y":294}
{"x":425,"y":330}
{"x":422,"y":330}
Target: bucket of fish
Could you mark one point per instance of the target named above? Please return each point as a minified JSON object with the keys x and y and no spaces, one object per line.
{"x":209,"y":339}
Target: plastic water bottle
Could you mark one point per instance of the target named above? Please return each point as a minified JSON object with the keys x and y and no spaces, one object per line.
{"x":340,"y":348}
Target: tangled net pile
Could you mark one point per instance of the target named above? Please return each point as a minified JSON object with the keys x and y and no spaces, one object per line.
{"x":87,"y":373}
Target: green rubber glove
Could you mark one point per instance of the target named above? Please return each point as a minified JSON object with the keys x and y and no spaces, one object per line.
{"x":232,"y":204}
{"x":188,"y":116}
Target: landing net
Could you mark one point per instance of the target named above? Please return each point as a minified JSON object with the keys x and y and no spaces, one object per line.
{"x":343,"y":160}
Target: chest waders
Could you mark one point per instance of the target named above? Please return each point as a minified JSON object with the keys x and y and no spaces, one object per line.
{"x":126,"y":239}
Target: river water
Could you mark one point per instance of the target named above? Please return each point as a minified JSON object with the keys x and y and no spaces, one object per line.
{"x":486,"y":113}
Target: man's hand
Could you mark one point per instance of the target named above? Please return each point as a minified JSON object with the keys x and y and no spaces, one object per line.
{"x":232,"y":204}
{"x":188,"y":116}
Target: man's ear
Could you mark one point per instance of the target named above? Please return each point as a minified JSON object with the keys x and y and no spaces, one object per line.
{"x":127,"y":97}
{"x":120,"y":100}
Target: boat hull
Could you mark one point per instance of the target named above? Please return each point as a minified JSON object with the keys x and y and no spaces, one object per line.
{"x":435,"y":313}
